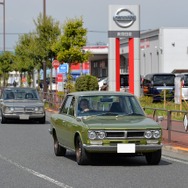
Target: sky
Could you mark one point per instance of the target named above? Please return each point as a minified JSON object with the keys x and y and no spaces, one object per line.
{"x":19,"y":16}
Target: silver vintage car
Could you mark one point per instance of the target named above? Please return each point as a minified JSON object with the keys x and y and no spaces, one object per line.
{"x":21,"y":104}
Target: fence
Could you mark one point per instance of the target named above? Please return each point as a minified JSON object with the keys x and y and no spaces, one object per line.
{"x":53,"y":99}
{"x":173,"y":130}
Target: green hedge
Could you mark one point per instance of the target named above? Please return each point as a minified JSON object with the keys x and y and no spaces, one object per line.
{"x":86,"y":83}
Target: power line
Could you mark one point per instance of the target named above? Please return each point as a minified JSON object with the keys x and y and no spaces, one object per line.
{"x":90,"y":31}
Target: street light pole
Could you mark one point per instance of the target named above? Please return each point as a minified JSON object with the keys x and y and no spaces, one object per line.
{"x":3,"y":3}
{"x":44,"y":62}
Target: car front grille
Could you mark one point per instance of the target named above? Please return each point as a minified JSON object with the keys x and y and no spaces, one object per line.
{"x":22,"y":109}
{"x":124,"y":134}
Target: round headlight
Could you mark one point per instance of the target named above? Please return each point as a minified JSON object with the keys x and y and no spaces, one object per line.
{"x":101,"y":135}
{"x":156,"y":134}
{"x":36,"y":109}
{"x":11,"y":109}
{"x":92,"y":135}
{"x":148,"y":134}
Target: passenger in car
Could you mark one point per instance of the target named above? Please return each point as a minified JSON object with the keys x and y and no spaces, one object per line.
{"x":28,"y":95}
{"x":84,"y":105}
{"x":10,"y":95}
{"x":116,"y":107}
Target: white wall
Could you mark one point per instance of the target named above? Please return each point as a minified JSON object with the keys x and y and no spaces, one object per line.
{"x":175,"y":48}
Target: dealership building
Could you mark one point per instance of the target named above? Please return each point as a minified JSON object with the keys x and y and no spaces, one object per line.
{"x":163,"y":50}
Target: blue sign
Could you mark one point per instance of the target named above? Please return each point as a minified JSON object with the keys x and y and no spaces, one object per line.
{"x":63,"y":68}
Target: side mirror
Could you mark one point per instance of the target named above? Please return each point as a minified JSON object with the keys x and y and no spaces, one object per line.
{"x":185,"y":122}
{"x":160,"y":119}
{"x":79,"y":119}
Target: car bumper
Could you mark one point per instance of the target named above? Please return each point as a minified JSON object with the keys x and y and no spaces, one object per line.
{"x":24,"y":116}
{"x":113,"y":149}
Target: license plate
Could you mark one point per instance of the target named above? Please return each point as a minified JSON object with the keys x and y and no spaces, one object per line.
{"x":24,"y":117}
{"x":126,"y":148}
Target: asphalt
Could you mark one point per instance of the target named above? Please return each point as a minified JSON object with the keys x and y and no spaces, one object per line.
{"x":178,"y":143}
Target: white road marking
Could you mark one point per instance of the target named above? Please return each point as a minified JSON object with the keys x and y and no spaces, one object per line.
{"x":51,"y":180}
{"x":175,"y":160}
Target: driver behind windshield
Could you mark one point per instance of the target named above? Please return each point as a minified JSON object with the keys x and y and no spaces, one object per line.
{"x":84,"y":105}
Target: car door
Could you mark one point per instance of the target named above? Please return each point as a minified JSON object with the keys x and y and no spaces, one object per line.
{"x":71,"y":125}
{"x":62,"y":120}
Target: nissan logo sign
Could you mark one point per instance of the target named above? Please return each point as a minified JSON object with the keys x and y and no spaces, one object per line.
{"x":124,"y":18}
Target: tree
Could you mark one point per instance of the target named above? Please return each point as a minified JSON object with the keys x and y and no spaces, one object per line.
{"x":69,"y":48}
{"x":47,"y":33}
{"x":6,"y":60}
{"x":26,"y":56}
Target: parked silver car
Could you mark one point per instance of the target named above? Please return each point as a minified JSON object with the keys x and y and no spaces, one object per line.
{"x":22,"y":104}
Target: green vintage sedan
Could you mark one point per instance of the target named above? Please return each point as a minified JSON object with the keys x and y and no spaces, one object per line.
{"x":105,"y":122}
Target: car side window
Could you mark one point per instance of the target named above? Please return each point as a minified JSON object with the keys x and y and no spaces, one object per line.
{"x":71,"y":108}
{"x":66,"y":105}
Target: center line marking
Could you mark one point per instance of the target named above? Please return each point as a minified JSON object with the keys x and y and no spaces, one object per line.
{"x":51,"y":180}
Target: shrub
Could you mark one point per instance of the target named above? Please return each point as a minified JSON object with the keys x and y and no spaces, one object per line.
{"x":86,"y":83}
{"x":146,"y":100}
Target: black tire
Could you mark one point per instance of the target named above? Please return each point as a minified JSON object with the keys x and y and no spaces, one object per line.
{"x":42,"y":120}
{"x":58,"y":150}
{"x":153,"y":158}
{"x":3,"y":119}
{"x":81,"y":154}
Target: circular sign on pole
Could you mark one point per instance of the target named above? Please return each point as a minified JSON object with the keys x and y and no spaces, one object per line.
{"x":55,"y":64}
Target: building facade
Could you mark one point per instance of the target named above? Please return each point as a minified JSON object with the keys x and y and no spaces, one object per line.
{"x":164,"y":50}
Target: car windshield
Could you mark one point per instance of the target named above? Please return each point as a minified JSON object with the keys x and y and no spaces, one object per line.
{"x":20,"y":94}
{"x":104,"y":105}
{"x":186,"y":80}
{"x":163,"y":80}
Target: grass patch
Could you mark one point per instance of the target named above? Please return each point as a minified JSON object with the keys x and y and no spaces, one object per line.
{"x":162,"y":107}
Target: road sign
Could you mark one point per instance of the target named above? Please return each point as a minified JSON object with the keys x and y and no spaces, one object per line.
{"x":63,"y":68}
{"x":55,"y":64}
{"x":59,"y":78}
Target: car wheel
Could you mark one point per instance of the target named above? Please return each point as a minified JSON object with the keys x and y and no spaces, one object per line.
{"x":81,"y":154}
{"x":42,"y":120}
{"x":153,"y":158}
{"x":58,"y":150}
{"x":3,"y":119}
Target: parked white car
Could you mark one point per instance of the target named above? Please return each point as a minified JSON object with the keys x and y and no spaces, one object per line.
{"x":101,"y":82}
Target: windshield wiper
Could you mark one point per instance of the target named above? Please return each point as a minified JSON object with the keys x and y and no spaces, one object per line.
{"x":108,"y":114}
{"x":135,"y":114}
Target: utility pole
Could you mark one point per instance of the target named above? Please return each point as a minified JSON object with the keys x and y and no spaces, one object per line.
{"x":44,"y":61}
{"x":3,"y":3}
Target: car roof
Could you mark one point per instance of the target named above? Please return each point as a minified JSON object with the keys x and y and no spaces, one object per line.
{"x":90,"y":93}
{"x":13,"y":88}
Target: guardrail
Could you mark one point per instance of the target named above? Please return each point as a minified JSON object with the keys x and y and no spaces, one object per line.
{"x":53,"y":99}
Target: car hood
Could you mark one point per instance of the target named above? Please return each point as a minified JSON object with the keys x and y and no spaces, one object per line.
{"x":23,"y":103}
{"x":119,"y":122}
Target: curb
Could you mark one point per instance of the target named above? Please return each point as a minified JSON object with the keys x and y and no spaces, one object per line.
{"x":175,"y":148}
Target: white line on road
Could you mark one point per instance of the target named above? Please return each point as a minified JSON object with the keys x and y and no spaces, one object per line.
{"x":51,"y":180}
{"x":175,"y":160}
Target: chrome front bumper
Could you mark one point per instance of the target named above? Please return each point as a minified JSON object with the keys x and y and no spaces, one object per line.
{"x":113,"y":149}
{"x":29,"y":116}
